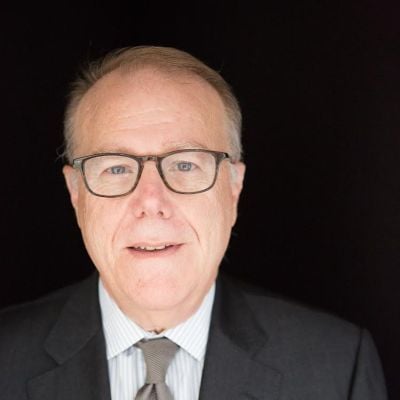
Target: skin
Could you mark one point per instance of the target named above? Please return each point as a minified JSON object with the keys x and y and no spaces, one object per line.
{"x":144,"y":113}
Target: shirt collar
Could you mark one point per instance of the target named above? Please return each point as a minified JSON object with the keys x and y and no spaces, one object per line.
{"x":121,"y":332}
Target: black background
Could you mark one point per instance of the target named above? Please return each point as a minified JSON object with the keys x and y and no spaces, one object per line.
{"x":319,"y":87}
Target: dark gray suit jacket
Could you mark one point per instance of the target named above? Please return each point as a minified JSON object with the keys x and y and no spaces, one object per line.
{"x":260,"y":347}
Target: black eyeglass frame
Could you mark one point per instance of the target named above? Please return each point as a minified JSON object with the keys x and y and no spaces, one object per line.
{"x":79,"y":163}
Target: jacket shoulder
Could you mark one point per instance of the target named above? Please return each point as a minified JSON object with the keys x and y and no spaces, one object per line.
{"x":31,"y":321}
{"x":317,"y":355}
{"x":297,"y":323}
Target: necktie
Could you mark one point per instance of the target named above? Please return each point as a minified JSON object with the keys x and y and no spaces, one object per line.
{"x":157,"y":353}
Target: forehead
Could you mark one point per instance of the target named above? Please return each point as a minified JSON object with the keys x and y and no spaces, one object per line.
{"x":148,"y":107}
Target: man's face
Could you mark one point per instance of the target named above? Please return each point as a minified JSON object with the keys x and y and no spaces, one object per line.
{"x":148,"y":113}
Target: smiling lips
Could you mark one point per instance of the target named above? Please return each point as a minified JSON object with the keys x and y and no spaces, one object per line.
{"x":153,"y":248}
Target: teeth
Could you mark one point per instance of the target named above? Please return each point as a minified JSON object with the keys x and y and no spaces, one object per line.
{"x":151,"y":248}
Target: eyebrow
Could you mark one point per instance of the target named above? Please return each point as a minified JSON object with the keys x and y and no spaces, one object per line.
{"x":170,"y":146}
{"x":186,"y":145}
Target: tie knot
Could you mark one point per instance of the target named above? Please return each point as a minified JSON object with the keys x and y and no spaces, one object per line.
{"x":157,"y":353}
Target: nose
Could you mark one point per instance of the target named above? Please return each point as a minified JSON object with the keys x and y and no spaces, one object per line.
{"x":151,"y":197}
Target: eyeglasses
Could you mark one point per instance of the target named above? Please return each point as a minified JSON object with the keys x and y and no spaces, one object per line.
{"x":182,"y":171}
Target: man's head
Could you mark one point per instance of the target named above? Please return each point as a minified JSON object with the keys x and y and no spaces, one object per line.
{"x":157,"y":251}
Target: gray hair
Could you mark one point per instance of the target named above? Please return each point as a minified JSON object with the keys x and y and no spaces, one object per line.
{"x":165,"y":59}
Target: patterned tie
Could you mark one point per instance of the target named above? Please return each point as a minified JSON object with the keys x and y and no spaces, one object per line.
{"x":157,"y":353}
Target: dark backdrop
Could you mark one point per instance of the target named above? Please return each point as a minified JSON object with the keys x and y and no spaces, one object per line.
{"x":319,"y":87}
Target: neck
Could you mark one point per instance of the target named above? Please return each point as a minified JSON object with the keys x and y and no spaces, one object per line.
{"x":158,"y":320}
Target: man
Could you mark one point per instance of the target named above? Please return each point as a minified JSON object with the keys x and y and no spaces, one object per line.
{"x":154,"y":176}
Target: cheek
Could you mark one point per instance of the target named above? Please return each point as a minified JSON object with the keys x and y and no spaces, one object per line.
{"x":225,"y":203}
{"x":98,"y":222}
{"x":214,"y":216}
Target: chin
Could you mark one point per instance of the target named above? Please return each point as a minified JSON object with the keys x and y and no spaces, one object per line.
{"x":152,"y":283}
{"x":160,"y":297}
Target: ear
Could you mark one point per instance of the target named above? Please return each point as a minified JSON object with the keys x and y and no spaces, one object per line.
{"x":71,"y":179}
{"x":237,"y":176}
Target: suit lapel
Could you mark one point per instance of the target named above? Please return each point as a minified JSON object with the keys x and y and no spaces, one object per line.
{"x":232,"y":369}
{"x":76,"y":343}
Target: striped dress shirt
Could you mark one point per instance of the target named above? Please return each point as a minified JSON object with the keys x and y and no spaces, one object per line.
{"x":126,"y":366}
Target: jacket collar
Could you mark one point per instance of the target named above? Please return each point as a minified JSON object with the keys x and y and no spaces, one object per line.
{"x":76,"y":343}
{"x":233,"y":368}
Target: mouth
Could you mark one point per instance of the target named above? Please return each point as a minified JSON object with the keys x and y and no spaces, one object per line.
{"x":153,"y":249}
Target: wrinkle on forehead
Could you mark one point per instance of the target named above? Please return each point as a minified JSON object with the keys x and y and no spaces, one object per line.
{"x":144,"y":118}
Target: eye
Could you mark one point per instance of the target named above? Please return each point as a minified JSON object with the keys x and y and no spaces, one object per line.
{"x":185,"y":166}
{"x":117,"y":170}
